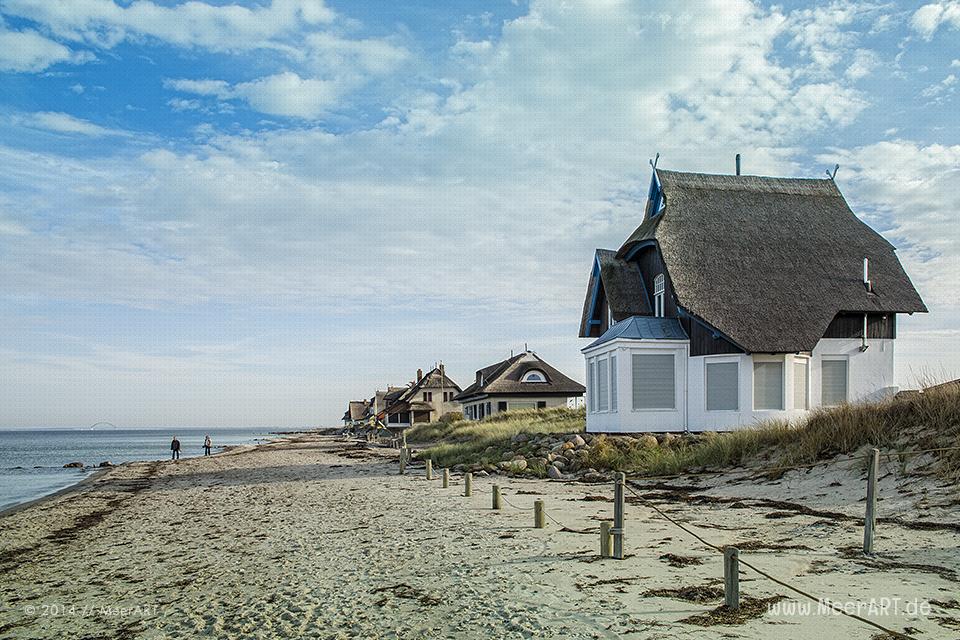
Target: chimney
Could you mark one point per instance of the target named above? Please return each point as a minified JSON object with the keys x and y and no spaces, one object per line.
{"x":738,"y":164}
{"x":441,"y":369}
{"x":419,"y":375}
{"x":866,"y":275}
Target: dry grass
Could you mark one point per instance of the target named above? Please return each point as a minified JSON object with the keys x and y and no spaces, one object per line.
{"x":466,"y":441}
{"x":902,"y":424}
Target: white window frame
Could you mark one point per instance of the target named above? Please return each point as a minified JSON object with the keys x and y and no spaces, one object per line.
{"x":722,"y":360}
{"x":612,"y":385}
{"x":783,"y":380}
{"x":807,"y":360}
{"x":603,"y":374}
{"x":592,"y":372}
{"x":659,"y":288}
{"x":845,"y":359}
{"x":526,"y":376}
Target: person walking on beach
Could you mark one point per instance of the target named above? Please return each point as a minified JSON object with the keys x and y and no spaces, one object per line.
{"x":175,"y":449}
{"x":206,"y":445}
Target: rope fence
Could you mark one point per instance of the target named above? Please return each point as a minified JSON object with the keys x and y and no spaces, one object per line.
{"x":731,"y":554}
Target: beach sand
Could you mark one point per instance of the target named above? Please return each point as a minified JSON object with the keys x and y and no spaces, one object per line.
{"x":318,"y":537}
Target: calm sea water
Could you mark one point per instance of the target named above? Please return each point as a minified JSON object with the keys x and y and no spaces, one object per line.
{"x":31,"y":461}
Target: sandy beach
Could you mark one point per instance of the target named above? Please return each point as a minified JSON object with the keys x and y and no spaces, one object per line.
{"x":318,"y":537}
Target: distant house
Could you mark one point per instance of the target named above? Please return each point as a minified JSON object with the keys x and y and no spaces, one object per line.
{"x":357,"y":411}
{"x":425,"y":400}
{"x":740,"y":298}
{"x":523,"y":381}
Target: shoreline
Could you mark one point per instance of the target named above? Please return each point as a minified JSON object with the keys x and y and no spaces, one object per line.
{"x":317,"y":536}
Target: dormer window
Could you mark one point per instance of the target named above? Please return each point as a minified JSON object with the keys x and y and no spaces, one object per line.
{"x":658,"y":295}
{"x":534,"y":375}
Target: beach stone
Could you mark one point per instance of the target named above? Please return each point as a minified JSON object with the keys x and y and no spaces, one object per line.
{"x":106,"y":463}
{"x":578,"y":441}
{"x":568,"y":445}
{"x":667,"y":439}
{"x":518,"y":465}
{"x":520,"y":437}
{"x":481,"y":473}
{"x":73,"y":465}
{"x":648,"y":442}
{"x":559,"y":464}
{"x":553,"y":473}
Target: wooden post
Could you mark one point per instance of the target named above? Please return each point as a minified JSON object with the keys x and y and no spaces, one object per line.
{"x":468,"y":484}
{"x":618,"y":504}
{"x":539,"y":515}
{"x":870,"y":518}
{"x":404,"y":433}
{"x":429,"y":469}
{"x":605,"y":539}
{"x":496,"y":497}
{"x":404,"y":452}
{"x":446,"y":478}
{"x":731,"y":578}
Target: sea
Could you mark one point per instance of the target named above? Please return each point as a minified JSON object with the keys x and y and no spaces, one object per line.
{"x":31,"y":460}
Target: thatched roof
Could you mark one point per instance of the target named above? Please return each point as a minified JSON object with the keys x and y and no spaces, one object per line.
{"x":435,"y":379}
{"x":769,"y":262}
{"x":622,"y":286}
{"x":504,"y":378}
{"x":356,"y":410}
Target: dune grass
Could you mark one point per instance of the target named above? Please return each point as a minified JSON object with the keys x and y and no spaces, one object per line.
{"x":902,"y":424}
{"x":466,"y":441}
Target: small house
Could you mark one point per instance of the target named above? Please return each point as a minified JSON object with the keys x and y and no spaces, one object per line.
{"x":523,"y":381}
{"x":736,"y":299}
{"x":425,"y":400}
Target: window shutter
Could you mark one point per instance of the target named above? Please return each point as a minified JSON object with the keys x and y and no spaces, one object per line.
{"x":593,"y":386}
{"x":833,"y":382}
{"x":654,"y":382}
{"x":723,"y":386}
{"x":613,"y":383}
{"x":768,"y":386}
{"x":603,"y":380}
{"x":801,"y":391}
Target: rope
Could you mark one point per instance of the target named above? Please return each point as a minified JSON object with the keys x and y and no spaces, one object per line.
{"x":547,"y":514}
{"x":819,"y":601}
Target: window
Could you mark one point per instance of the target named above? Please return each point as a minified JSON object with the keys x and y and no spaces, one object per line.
{"x":801,"y":384}
{"x":480,"y":414}
{"x":654,"y":381}
{"x":534,"y":376}
{"x":768,"y":386}
{"x":723,"y":386}
{"x":517,"y":406}
{"x":541,"y":404}
{"x":489,"y":412}
{"x":593,"y":385}
{"x":833,"y":382}
{"x":603,"y":385}
{"x":501,"y":406}
{"x":428,"y":396}
{"x":613,"y":383}
{"x":658,"y":295}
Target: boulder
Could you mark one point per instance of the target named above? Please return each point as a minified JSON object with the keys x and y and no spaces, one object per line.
{"x":73,"y":465}
{"x":559,"y":464}
{"x":648,"y":441}
{"x":481,"y":473}
{"x":518,"y":465}
{"x":568,"y":445}
{"x":553,"y":473}
{"x":578,"y":441}
{"x":106,"y":463}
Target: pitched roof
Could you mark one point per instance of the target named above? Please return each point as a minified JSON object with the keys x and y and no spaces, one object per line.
{"x":643,"y":328}
{"x":770,"y":261}
{"x":434,"y":379}
{"x":622,"y":286}
{"x":504,"y":378}
{"x":356,"y":410}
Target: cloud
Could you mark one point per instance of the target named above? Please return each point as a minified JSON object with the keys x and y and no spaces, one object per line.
{"x":930,"y":17}
{"x":864,"y":62}
{"x":65,"y":123}
{"x":230,"y":27}
{"x":282,"y":94}
{"x":28,"y":51}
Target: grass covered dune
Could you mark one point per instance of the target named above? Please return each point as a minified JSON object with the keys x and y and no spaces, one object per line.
{"x":905,"y":424}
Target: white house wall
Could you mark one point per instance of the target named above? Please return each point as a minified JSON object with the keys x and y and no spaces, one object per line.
{"x":869,"y":377}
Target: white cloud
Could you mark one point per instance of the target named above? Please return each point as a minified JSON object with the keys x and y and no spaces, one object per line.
{"x":930,"y":17}
{"x":282,"y":94}
{"x":231,"y":27}
{"x":28,"y":51}
{"x":864,"y":62}
{"x":65,"y":123}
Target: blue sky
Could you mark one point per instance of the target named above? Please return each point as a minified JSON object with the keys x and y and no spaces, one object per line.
{"x":248,"y":214}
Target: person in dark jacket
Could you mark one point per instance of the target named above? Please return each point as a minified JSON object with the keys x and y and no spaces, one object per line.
{"x":207,"y":443}
{"x":175,"y":449}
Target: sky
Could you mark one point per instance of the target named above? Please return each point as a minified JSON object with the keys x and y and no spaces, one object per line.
{"x":231,"y":214}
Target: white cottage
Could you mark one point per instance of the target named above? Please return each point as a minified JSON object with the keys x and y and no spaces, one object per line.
{"x":740,"y":298}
